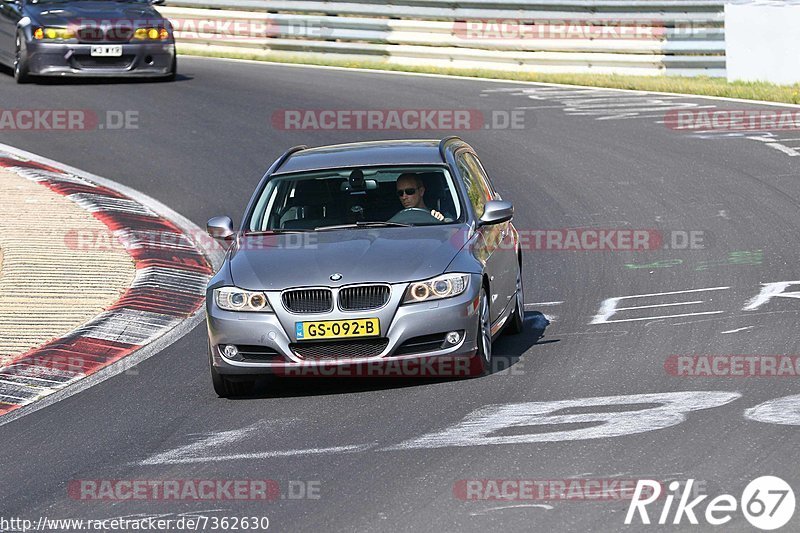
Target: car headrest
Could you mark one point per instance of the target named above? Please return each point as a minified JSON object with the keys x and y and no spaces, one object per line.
{"x":312,"y":192}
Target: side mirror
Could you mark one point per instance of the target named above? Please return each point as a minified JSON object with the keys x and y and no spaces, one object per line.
{"x":495,"y":212}
{"x":220,"y":227}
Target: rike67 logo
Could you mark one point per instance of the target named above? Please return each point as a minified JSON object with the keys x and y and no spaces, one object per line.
{"x":767,"y":503}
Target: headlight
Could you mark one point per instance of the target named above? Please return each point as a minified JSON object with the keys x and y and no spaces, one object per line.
{"x":53,"y":34}
{"x":151,"y":34}
{"x":444,"y":286}
{"x":235,"y":299}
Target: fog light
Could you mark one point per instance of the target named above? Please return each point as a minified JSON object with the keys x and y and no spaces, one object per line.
{"x":454,"y":337}
{"x":230,"y":351}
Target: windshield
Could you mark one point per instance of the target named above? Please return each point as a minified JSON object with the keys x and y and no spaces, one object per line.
{"x":369,"y":197}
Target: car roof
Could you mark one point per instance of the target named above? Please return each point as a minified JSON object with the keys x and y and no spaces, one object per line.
{"x":362,"y":154}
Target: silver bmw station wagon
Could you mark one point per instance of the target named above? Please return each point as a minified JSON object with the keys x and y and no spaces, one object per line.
{"x":359,"y":256}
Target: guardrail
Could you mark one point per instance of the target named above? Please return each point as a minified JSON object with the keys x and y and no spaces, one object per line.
{"x":639,"y":37}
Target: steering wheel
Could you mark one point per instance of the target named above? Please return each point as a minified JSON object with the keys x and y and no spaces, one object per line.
{"x":413,"y":215}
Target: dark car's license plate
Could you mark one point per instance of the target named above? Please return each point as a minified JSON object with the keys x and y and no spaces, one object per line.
{"x":107,"y":51}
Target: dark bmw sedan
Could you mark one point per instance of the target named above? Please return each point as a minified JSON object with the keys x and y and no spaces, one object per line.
{"x":93,"y":38}
{"x":379,"y":258}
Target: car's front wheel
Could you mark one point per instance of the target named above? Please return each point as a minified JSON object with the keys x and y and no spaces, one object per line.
{"x":21,"y":61}
{"x":482,"y":361}
{"x":516,"y":322}
{"x":229,"y":386}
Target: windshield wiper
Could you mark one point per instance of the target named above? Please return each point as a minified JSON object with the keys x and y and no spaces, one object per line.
{"x":378,"y":224}
{"x":275,"y":232}
{"x":364,"y":224}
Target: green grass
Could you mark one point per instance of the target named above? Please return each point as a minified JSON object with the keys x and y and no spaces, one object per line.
{"x":702,"y":85}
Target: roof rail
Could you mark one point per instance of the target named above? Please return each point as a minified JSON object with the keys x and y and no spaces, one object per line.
{"x":446,"y":140}
{"x":282,"y":159}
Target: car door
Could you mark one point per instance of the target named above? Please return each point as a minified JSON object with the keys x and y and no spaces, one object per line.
{"x":505,"y":248}
{"x":488,"y":237}
{"x":507,"y":238}
{"x":10,"y":14}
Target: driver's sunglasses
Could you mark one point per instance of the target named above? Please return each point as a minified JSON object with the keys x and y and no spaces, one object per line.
{"x":408,"y":192}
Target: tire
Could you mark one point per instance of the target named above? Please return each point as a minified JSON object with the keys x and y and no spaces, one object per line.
{"x":516,"y":322}
{"x":229,"y":387}
{"x":21,"y":74}
{"x":482,"y":360}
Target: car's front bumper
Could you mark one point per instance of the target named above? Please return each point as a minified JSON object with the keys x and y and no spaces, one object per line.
{"x":68,"y":59}
{"x":400,"y":327}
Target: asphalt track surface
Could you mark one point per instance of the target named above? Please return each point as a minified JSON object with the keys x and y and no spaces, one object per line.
{"x":201,"y":146}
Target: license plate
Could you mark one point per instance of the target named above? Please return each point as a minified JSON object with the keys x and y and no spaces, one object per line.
{"x":337,"y":329}
{"x":106,"y":51}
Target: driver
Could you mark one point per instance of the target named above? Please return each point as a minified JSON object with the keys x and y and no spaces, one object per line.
{"x":410,"y":190}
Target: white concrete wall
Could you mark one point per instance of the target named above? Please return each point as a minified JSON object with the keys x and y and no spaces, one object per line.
{"x":762,"y":41}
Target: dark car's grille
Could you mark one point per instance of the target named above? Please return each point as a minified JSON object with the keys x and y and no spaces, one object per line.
{"x":94,"y":34}
{"x":308,"y":300}
{"x":89,"y":62}
{"x":339,"y":350}
{"x":363,"y":297}
{"x":119,"y":34}
{"x":91,"y":35}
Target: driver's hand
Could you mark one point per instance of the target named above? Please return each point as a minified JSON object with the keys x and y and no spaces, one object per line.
{"x":437,"y":215}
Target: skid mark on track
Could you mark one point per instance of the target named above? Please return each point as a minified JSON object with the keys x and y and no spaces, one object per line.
{"x":270,"y":454}
{"x":206,"y":450}
{"x":604,"y":104}
{"x":738,"y":329}
{"x":505,"y":507}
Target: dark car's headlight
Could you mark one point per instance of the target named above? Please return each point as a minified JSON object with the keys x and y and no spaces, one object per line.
{"x":53,"y":34}
{"x":151,"y":34}
{"x":444,"y":286}
{"x":235,"y":299}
